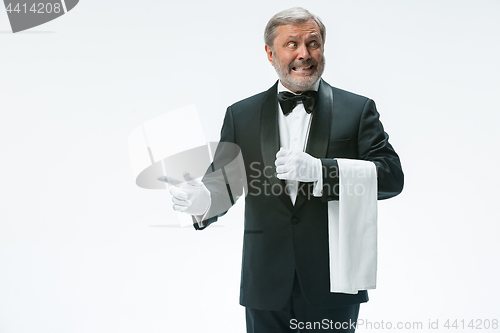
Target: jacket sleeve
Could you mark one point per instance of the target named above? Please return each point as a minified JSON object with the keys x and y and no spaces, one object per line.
{"x":223,"y":178}
{"x":373,"y":145}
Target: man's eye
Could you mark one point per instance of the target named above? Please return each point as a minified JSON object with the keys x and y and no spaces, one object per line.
{"x":292,"y":44}
{"x":315,"y":44}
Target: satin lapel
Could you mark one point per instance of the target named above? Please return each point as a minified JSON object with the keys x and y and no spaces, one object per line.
{"x":270,"y":143}
{"x":319,"y":134}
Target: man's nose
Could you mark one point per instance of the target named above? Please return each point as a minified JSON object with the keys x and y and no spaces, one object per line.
{"x":303,"y":53}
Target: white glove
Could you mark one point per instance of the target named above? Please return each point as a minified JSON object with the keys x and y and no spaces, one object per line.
{"x":297,"y":165}
{"x":191,"y":197}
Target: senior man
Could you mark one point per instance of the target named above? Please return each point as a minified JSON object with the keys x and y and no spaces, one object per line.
{"x":298,"y":128}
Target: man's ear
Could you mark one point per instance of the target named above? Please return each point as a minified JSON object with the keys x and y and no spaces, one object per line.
{"x":269,"y":52}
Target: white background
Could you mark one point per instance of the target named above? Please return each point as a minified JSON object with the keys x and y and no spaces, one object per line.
{"x":83,"y":249}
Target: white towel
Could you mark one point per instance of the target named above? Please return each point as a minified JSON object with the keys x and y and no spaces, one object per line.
{"x":352,"y":228}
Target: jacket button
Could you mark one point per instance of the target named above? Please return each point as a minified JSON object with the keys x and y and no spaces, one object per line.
{"x":295,"y":220}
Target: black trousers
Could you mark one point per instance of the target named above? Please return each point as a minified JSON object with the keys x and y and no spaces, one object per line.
{"x":299,"y":316}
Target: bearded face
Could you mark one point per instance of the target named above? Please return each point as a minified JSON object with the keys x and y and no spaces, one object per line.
{"x":297,"y":55}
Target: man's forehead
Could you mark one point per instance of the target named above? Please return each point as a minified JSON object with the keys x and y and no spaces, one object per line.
{"x":296,"y":30}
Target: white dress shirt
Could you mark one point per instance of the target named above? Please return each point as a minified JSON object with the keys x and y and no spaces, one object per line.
{"x":294,"y":131}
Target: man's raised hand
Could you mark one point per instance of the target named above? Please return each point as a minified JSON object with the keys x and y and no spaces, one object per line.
{"x":191,"y":197}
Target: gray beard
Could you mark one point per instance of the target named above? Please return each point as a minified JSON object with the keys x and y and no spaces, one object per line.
{"x":294,"y":85}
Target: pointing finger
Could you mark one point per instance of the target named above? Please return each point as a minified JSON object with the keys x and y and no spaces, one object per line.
{"x":163,"y":179}
{"x":190,"y":180}
{"x":169,"y":180}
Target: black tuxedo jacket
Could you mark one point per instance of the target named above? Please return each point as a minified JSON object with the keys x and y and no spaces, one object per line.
{"x":280,"y":238}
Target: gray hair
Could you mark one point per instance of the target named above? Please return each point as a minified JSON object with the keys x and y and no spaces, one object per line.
{"x":295,"y":15}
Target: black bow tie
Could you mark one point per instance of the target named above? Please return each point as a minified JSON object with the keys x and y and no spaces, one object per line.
{"x":288,"y":101}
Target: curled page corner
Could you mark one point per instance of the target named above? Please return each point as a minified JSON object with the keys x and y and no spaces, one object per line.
{"x":172,"y":144}
{"x":162,"y":137}
{"x":158,"y":139}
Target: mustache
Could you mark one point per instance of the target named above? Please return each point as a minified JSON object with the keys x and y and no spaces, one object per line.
{"x":303,"y":63}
